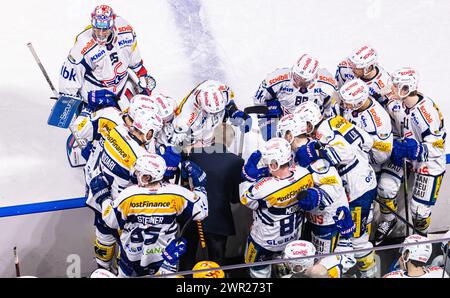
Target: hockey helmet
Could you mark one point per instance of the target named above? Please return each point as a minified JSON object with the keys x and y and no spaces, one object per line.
{"x":305,"y":70}
{"x":421,"y":252}
{"x":296,"y":249}
{"x":150,"y":164}
{"x":211,"y":97}
{"x":363,"y":58}
{"x":102,"y":21}
{"x":292,"y":123}
{"x":207,"y":274}
{"x":354,"y":94}
{"x":276,"y":150}
{"x":310,"y":112}
{"x":146,"y":120}
{"x":405,"y":81}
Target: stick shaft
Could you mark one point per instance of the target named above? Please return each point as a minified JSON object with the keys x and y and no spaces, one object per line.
{"x":16,"y":262}
{"x":44,"y":72}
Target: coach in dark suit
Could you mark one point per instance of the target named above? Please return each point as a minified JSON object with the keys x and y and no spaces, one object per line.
{"x":223,"y":172}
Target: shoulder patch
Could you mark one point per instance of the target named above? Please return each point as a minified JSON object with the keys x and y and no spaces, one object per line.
{"x":261,"y":182}
{"x":281,"y":77}
{"x":375,"y":117}
{"x":88,"y":46}
{"x":125,"y":29}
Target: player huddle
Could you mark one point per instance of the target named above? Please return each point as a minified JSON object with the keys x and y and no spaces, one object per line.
{"x":333,"y":146}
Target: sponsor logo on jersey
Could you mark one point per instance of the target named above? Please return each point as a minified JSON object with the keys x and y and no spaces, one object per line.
{"x":125,"y":42}
{"x":287,"y":89}
{"x":98,"y":55}
{"x":278,"y":79}
{"x":88,"y":46}
{"x":426,"y":114}
{"x":146,"y":204}
{"x":127,"y":28}
{"x":376,"y":118}
{"x":329,"y":80}
{"x":314,"y":218}
{"x":349,"y":76}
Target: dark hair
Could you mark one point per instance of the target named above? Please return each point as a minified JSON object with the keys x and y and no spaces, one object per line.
{"x":417,"y":263}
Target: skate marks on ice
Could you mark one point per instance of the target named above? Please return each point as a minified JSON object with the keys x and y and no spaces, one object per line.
{"x":199,"y":44}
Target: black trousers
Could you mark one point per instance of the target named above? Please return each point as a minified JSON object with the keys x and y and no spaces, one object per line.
{"x":215,"y":243}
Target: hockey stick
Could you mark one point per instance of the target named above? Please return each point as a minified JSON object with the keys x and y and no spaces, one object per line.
{"x":446,"y":256}
{"x":405,"y":182}
{"x":16,"y":261}
{"x":250,"y":110}
{"x":399,"y":217}
{"x":81,"y":142}
{"x":204,"y":255}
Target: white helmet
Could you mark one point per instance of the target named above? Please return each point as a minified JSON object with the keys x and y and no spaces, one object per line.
{"x":102,"y":273}
{"x":405,"y":77}
{"x":293,"y":123}
{"x":165,"y":104}
{"x":146,"y":120}
{"x":310,"y":112}
{"x":420,"y":252}
{"x":140,"y":101}
{"x":276,"y":150}
{"x":152,"y":165}
{"x":306,"y":69}
{"x":211,"y":97}
{"x":363,"y":57}
{"x":296,"y":249}
{"x":354,"y":93}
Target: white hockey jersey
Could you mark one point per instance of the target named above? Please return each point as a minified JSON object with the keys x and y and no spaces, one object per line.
{"x":119,"y":154}
{"x":147,"y":218}
{"x":430,"y":272}
{"x":195,"y":123}
{"x":337,"y":265}
{"x":91,"y":66}
{"x":425,"y":123}
{"x":379,"y":86}
{"x":376,"y":122}
{"x":276,"y":214}
{"x":347,"y":147}
{"x":327,"y":178}
{"x":95,"y":128}
{"x":279,"y":85}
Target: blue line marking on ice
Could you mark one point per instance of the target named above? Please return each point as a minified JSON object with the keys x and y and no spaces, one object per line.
{"x":199,"y":44}
{"x":58,"y":205}
{"x":42,"y":207}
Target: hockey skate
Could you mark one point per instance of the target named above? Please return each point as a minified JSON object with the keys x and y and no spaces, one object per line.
{"x":384,"y":230}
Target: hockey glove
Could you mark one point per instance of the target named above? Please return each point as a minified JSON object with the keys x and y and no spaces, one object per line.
{"x":250,"y":171}
{"x":344,"y":222}
{"x":147,"y":83}
{"x":191,"y":169}
{"x":274,"y":109}
{"x":307,"y":154}
{"x":174,"y":250}
{"x":172,"y":159}
{"x":242,"y":120}
{"x":100,"y":188}
{"x":408,"y":148}
{"x":101,"y":98}
{"x":310,"y":198}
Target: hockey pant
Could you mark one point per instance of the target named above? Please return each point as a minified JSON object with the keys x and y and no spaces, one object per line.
{"x":129,"y":268}
{"x":425,"y":190}
{"x":256,"y":253}
{"x":105,"y":242}
{"x":324,"y":238}
{"x":361,"y":210}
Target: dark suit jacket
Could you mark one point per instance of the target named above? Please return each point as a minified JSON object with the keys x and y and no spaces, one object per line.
{"x":223,"y":172}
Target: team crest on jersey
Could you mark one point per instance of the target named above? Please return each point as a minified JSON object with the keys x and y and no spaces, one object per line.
{"x":118,"y":77}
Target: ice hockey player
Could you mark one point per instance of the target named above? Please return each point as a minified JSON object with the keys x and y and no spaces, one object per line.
{"x":421,"y":142}
{"x":345,"y":146}
{"x":122,"y":146}
{"x":328,"y":267}
{"x":363,"y":64}
{"x":285,"y":88}
{"x":202,"y":110}
{"x":413,"y":260}
{"x":96,"y":67}
{"x":325,"y":234}
{"x":146,"y":214}
{"x":277,"y":201}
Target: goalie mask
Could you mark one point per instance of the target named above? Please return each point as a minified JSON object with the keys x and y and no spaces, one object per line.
{"x":102,"y":21}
